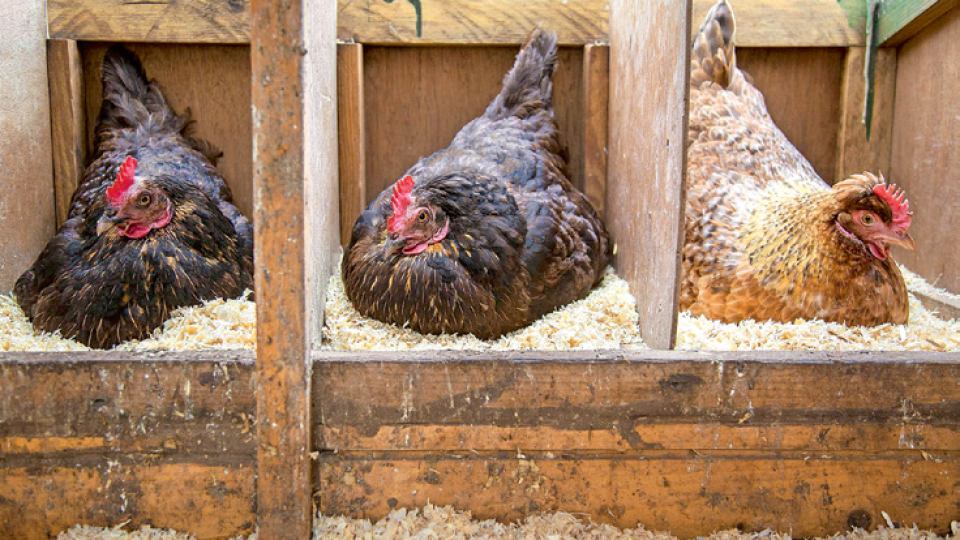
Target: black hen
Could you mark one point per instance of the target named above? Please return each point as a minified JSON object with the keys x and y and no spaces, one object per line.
{"x":488,"y":234}
{"x":151,"y":226}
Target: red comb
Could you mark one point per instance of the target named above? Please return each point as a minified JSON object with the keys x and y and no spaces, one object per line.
{"x":900,"y":206}
{"x":400,"y":201}
{"x":123,"y":182}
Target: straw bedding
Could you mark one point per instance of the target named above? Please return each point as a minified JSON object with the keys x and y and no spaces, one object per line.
{"x":443,"y":523}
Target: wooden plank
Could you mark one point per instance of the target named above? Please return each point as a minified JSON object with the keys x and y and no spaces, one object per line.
{"x":855,"y":154}
{"x":596,"y":93}
{"x":763,"y":23}
{"x":946,"y":306}
{"x":68,"y":126}
{"x":686,"y":494}
{"x":186,"y":75}
{"x":900,"y":20}
{"x":352,"y":133}
{"x":27,"y":212}
{"x":121,"y":433}
{"x":293,"y":57}
{"x":646,"y":186}
{"x":926,"y":149}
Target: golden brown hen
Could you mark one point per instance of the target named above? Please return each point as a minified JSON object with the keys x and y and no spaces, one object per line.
{"x":766,"y":237}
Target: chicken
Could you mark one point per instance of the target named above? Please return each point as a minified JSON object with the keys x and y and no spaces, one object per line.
{"x":151,"y":227}
{"x":765,"y":237}
{"x":488,"y":234}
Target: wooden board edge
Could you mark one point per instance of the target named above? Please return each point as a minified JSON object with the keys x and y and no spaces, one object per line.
{"x":68,"y":129}
{"x":900,"y":20}
{"x":596,"y":92}
{"x":352,"y":136}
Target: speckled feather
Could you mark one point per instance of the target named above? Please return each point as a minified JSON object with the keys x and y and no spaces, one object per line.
{"x":760,"y":234}
{"x":104,"y":289}
{"x":522,"y":242}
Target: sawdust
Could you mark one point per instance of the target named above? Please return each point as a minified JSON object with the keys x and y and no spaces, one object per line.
{"x":445,"y":523}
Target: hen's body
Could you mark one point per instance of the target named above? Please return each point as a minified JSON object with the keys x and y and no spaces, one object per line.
{"x":765,"y":236}
{"x":102,"y":287}
{"x":508,"y":237}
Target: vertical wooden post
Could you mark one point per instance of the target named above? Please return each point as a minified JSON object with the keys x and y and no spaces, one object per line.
{"x":68,"y":129}
{"x":293,"y":59}
{"x":27,"y":216}
{"x":855,"y":153}
{"x":646,"y":186}
{"x":596,"y":92}
{"x":353,"y":140}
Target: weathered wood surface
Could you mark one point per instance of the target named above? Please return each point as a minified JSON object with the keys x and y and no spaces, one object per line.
{"x":103,"y":438}
{"x":68,"y":128}
{"x":646,"y":184}
{"x":855,"y":154}
{"x":27,"y":212}
{"x":764,"y":23}
{"x":808,"y":442}
{"x":926,"y":148}
{"x":946,"y":306}
{"x":900,"y":20}
{"x":596,"y":93}
{"x":352,"y":136}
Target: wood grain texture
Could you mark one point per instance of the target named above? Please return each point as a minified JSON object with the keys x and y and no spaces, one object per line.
{"x":68,"y":128}
{"x":27,"y":211}
{"x":946,"y":306}
{"x":417,"y":99}
{"x":646,"y":185}
{"x":764,"y":23}
{"x":855,"y":154}
{"x":777,"y":440}
{"x":352,"y":135}
{"x":161,"y":439}
{"x":802,"y":89}
{"x":596,"y":93}
{"x":926,"y":148}
{"x":900,"y":20}
{"x":212,"y":81}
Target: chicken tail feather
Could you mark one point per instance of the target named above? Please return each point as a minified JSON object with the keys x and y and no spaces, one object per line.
{"x":714,"y":58}
{"x":528,"y":87}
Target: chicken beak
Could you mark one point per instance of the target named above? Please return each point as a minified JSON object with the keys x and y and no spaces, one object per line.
{"x":107,"y":222}
{"x":903,"y":240}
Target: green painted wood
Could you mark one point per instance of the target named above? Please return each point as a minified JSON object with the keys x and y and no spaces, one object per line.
{"x":902,"y":19}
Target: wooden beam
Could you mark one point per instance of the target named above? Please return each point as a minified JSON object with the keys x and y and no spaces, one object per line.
{"x":68,"y":121}
{"x":152,"y":438}
{"x":947,"y":306}
{"x":855,"y":154}
{"x":352,"y":134}
{"x":293,"y":58}
{"x":596,"y":93}
{"x":900,"y":20}
{"x":762,"y":23}
{"x":649,"y":92}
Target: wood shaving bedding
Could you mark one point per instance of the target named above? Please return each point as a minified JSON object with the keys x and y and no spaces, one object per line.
{"x":445,"y":523}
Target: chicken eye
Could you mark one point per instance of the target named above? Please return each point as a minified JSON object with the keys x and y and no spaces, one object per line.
{"x":867,"y":219}
{"x":422,"y":216}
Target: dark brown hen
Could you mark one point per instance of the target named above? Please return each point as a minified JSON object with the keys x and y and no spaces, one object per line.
{"x":488,"y":234}
{"x":151,"y":226}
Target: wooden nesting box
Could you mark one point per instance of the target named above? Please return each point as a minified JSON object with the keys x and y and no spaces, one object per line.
{"x":218,"y":443}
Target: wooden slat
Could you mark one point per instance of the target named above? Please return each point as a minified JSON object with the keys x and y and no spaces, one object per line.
{"x":352,"y":133}
{"x":27,"y":212}
{"x":68,"y":121}
{"x":926,"y":149}
{"x":596,"y":92}
{"x":762,"y":23}
{"x":162,"y":438}
{"x":855,"y":154}
{"x":646,"y":185}
{"x":900,"y":20}
{"x":293,"y":57}
{"x":946,"y":306}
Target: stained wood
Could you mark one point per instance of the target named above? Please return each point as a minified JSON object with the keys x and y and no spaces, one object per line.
{"x":926,"y":148}
{"x":352,"y":133}
{"x":802,"y":89}
{"x":68,"y":126}
{"x":596,"y":93}
{"x":417,"y":99}
{"x":212,"y":81}
{"x":900,"y":20}
{"x":27,"y":212}
{"x":646,"y":185}
{"x":765,"y":23}
{"x":293,"y":57}
{"x":161,"y":438}
{"x":855,"y":153}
